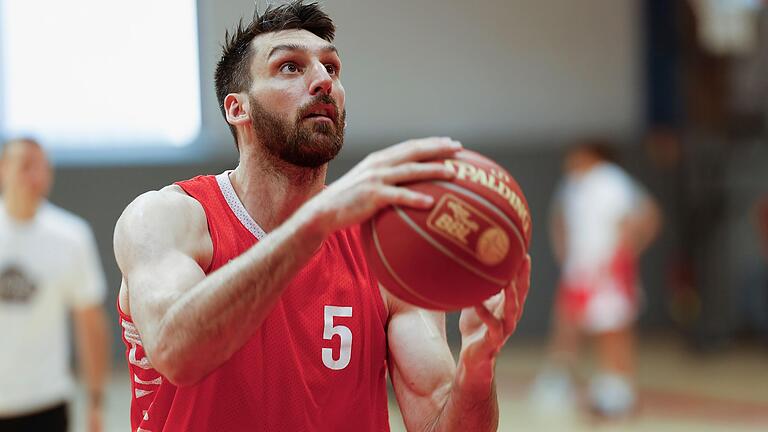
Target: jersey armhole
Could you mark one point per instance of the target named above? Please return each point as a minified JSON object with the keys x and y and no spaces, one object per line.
{"x":381,"y":308}
{"x":211,"y":231}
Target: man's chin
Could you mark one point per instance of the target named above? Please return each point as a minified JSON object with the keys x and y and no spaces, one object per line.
{"x":307,"y":162}
{"x":312,"y":159}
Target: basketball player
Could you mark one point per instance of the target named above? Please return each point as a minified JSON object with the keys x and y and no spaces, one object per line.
{"x":49,"y":268}
{"x":246,"y":302}
{"x":601,"y":223}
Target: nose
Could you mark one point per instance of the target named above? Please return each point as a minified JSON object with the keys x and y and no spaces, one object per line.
{"x":320,"y":80}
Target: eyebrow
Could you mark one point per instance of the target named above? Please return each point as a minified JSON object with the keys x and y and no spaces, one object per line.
{"x":298,"y":47}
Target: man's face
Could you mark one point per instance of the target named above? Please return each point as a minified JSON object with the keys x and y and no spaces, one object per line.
{"x":296,"y":100}
{"x":25,"y":172}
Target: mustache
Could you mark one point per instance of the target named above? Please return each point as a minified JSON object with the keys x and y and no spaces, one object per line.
{"x":317,"y":100}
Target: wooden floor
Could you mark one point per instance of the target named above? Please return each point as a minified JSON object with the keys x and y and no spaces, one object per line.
{"x":679,"y":391}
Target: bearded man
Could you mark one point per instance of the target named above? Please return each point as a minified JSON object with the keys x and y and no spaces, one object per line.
{"x":246,"y":301}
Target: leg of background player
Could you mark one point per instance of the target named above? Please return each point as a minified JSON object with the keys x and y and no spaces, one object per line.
{"x":553,"y":391}
{"x":612,"y":390}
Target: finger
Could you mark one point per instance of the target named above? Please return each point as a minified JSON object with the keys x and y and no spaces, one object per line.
{"x":495,"y":325}
{"x":516,"y":293}
{"x":416,"y":171}
{"x":395,"y":195}
{"x":496,"y":303}
{"x":511,"y":307}
{"x":523,"y":284}
{"x":420,"y":150}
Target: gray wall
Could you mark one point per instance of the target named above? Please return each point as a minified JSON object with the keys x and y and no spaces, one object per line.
{"x":491,"y":72}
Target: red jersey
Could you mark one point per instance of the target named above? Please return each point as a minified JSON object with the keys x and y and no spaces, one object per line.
{"x":317,"y":363}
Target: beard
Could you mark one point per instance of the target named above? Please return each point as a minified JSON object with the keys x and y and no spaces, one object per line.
{"x":301,"y":143}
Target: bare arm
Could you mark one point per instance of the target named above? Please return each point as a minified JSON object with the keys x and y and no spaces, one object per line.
{"x":162,"y":245}
{"x":435,"y":394}
{"x":557,"y":235}
{"x":431,"y":395}
{"x":421,"y":386}
{"x":642,"y":227}
{"x":92,"y":350}
{"x":159,"y":242}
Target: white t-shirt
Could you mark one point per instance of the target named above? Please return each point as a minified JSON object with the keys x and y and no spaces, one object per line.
{"x":48,"y":267}
{"x":593,"y":206}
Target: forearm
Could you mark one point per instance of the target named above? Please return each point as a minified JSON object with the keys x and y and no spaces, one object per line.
{"x":472,"y":403}
{"x":644,"y":228}
{"x":557,"y":237}
{"x":93,"y":356}
{"x":219,"y":314}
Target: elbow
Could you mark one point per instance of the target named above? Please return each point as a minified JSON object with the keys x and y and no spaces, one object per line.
{"x":183,"y":376}
{"x":177,"y":368}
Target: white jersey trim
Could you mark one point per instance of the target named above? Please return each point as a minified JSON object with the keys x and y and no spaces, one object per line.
{"x":156,"y":381}
{"x":237,"y":207}
{"x":141,"y":393}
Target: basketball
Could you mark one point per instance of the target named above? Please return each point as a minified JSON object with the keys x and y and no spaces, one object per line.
{"x":464,"y":249}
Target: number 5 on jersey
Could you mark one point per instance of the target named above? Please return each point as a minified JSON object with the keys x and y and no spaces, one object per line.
{"x":344,"y":333}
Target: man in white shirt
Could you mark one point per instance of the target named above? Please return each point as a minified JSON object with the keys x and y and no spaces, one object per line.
{"x":602,"y":221}
{"x":49,"y":268}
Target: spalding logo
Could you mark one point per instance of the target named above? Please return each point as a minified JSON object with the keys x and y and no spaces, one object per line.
{"x":465,"y":226}
{"x":495,"y":181}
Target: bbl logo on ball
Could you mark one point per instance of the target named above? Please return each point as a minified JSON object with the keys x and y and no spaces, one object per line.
{"x":465,"y":226}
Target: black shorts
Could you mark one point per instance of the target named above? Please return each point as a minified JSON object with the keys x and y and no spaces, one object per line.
{"x":54,"y":419}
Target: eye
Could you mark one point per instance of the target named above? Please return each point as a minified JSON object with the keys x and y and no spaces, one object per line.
{"x":331,"y":68}
{"x":289,"y":67}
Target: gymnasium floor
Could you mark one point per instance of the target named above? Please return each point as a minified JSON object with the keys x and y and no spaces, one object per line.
{"x":679,"y":390}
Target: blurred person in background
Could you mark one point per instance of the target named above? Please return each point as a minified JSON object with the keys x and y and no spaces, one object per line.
{"x":601,"y":223}
{"x":49,"y":268}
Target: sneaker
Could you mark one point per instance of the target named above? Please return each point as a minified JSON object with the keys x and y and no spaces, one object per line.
{"x":553,"y":393}
{"x":611,"y":395}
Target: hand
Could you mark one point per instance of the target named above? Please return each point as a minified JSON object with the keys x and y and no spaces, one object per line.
{"x":486,"y":327}
{"x":372,"y":184}
{"x":95,"y":419}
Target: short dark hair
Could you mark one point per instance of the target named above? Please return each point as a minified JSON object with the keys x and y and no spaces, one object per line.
{"x":233,"y":71}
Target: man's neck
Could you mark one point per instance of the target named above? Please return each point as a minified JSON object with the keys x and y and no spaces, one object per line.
{"x":20,"y":208}
{"x":272,"y":191}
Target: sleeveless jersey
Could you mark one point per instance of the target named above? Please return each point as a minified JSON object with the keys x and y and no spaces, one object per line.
{"x":317,"y":363}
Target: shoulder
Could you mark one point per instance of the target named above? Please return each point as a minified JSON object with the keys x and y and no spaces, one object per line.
{"x":626,"y":182}
{"x":610,"y":177}
{"x":164,"y":218}
{"x":55,"y":213}
{"x":168,"y":207}
{"x":64,"y":223}
{"x":169,"y":202}
{"x":613,"y":173}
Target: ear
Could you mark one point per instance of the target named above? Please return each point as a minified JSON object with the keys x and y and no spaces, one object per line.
{"x":236,"y":108}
